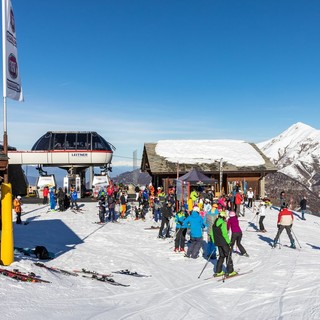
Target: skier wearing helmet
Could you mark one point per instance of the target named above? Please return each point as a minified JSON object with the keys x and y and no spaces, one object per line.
{"x":220,"y":237}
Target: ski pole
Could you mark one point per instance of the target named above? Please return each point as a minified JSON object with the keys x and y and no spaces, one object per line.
{"x":295,"y":238}
{"x":250,"y":222}
{"x":205,"y":264}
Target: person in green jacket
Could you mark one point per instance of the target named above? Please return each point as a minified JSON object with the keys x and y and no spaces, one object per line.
{"x":220,"y":237}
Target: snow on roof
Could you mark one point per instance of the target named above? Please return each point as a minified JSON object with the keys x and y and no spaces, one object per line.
{"x":236,"y":152}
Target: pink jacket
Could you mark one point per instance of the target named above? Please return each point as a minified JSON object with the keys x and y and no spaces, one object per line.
{"x":233,"y":224}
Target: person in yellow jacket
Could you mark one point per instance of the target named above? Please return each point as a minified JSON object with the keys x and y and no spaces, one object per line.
{"x":17,"y":208}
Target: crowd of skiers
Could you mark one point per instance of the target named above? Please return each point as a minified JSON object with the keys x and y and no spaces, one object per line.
{"x":219,"y":217}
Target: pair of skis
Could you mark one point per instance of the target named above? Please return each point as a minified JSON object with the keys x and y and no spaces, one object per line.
{"x":20,"y":276}
{"x":225,"y":277}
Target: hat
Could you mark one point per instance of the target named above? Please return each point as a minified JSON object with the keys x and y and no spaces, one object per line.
{"x":250,"y":188}
{"x":207,"y":200}
{"x":196,"y":209}
{"x":215,"y":205}
{"x":223,"y":214}
{"x":232,"y":214}
{"x":18,"y":197}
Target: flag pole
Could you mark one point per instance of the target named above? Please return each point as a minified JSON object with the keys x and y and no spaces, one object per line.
{"x":4,"y":66}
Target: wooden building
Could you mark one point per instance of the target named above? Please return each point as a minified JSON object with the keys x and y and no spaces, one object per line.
{"x":230,"y":162}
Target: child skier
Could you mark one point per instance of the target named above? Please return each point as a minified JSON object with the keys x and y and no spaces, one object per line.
{"x":102,"y":209}
{"x":209,"y":219}
{"x":262,"y":214}
{"x":180,"y":230}
{"x":219,"y":236}
{"x":236,"y":236}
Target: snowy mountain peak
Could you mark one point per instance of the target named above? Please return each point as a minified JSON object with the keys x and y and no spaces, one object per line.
{"x":296,"y":152}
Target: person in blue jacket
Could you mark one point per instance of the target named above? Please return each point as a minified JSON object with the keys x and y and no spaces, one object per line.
{"x":180,"y":230}
{"x":195,"y":223}
{"x":52,"y":197}
{"x":74,"y":199}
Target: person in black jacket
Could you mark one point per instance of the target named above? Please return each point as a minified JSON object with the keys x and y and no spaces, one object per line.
{"x":60,"y":197}
{"x":303,"y":207}
{"x":166,"y":213}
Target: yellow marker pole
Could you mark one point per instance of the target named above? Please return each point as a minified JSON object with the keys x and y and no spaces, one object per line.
{"x":7,"y":254}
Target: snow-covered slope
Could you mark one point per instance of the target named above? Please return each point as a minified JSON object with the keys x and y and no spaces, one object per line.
{"x":284,"y":283}
{"x":296,"y":152}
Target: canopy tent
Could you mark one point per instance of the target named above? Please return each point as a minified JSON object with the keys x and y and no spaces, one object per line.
{"x":196,"y":177}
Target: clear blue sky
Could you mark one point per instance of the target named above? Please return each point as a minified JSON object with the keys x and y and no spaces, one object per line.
{"x":140,"y":71}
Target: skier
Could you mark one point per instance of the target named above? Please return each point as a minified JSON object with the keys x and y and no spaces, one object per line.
{"x":102,"y":209}
{"x":166,"y":213}
{"x":17,"y":208}
{"x":285,"y":221}
{"x":303,"y":207}
{"x":283,"y":201}
{"x":74,"y":199}
{"x":123,"y":202}
{"x":52,"y":199}
{"x":262,"y":213}
{"x":236,"y":236}
{"x":195,"y":223}
{"x":111,"y":208}
{"x":237,"y":202}
{"x":45,"y":193}
{"x":60,"y":197}
{"x":157,"y":210}
{"x":180,"y":230}
{"x":219,"y":236}
{"x":209,"y":219}
{"x":250,"y":196}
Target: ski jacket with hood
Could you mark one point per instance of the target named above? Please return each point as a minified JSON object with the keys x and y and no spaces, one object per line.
{"x":195,"y":223}
{"x":219,"y":233}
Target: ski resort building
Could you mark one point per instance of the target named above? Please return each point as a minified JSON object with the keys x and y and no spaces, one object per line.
{"x":228,"y":162}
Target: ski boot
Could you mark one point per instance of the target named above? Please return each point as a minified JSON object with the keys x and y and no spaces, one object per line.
{"x":219,"y":274}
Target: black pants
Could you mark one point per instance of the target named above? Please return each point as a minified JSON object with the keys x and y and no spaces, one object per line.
{"x":18,"y":218}
{"x":45,"y":200}
{"x":164,"y":222}
{"x":249,"y":202}
{"x":224,"y":253}
{"x":61,"y":204}
{"x":261,"y":226}
{"x":180,"y":238}
{"x":236,"y":238}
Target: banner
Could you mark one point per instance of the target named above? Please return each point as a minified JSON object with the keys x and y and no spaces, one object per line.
{"x":11,"y":73}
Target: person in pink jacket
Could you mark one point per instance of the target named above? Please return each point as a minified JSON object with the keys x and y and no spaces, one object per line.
{"x":236,"y":236}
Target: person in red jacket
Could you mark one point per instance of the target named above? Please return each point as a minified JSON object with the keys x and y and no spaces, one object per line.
{"x":45,"y":193}
{"x":237,"y":202}
{"x":285,"y":221}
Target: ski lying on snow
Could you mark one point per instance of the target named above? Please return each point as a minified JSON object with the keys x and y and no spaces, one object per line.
{"x":54,"y":269}
{"x":19,"y":276}
{"x":105,"y":279}
{"x":130,"y":273}
{"x":92,"y":273}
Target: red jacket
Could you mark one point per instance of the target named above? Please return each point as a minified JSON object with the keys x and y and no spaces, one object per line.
{"x":285,"y":217}
{"x":238,"y":198}
{"x":45,"y":192}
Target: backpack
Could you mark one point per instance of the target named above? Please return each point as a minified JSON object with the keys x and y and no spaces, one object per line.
{"x":41,"y":252}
